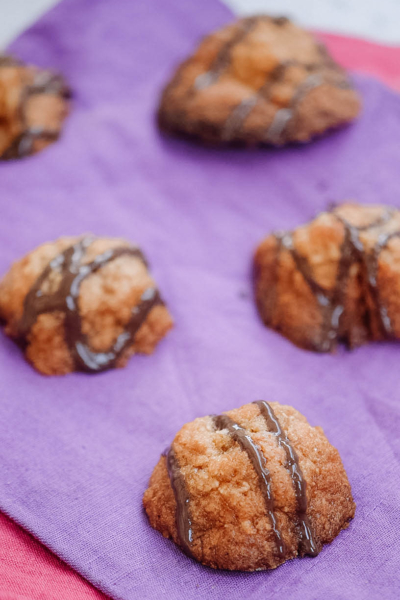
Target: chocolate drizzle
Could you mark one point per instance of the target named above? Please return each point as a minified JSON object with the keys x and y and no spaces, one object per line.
{"x":9,"y":61}
{"x":372,"y":273}
{"x":307,"y":544}
{"x":257,"y":459}
{"x":276,"y":133}
{"x":281,"y":118}
{"x":182,"y":499}
{"x":369,"y":263}
{"x":222,"y":60}
{"x":239,"y":114}
{"x":65,"y":300}
{"x":44,"y":82}
{"x":277,"y":130}
{"x":331,"y":302}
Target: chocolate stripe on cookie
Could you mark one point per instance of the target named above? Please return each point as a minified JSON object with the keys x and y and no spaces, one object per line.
{"x":222,"y":60}
{"x":283,"y":116}
{"x":370,"y":263}
{"x":257,"y":459}
{"x":9,"y":61}
{"x":307,"y":543}
{"x":23,"y":144}
{"x":277,"y":129}
{"x":182,"y":499}
{"x":45,"y":82}
{"x":65,"y":300}
{"x":331,"y":302}
{"x":317,"y":77}
{"x":239,"y":114}
{"x":372,"y":269}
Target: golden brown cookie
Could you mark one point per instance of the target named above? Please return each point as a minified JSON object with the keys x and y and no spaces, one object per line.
{"x":334,"y":279}
{"x":249,"y":489}
{"x":33,"y":105}
{"x":82,"y":303}
{"x":260,"y":80}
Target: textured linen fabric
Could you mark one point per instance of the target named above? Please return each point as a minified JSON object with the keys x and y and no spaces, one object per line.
{"x":25,"y":565}
{"x":77,"y":451}
{"x":30,"y":572}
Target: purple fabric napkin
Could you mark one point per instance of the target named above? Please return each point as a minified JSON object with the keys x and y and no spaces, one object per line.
{"x":76,"y":452}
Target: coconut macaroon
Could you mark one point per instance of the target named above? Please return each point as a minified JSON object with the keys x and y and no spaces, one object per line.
{"x":82,"y":303}
{"x":334,"y":279}
{"x":33,"y":105}
{"x":249,"y":489}
{"x":260,"y":80}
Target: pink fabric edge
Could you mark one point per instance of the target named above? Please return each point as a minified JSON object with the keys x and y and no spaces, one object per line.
{"x":377,"y":60}
{"x":28,"y":571}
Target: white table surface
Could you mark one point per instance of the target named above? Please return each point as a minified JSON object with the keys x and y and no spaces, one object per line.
{"x":377,"y":20}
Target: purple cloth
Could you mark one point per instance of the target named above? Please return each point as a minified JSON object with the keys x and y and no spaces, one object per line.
{"x":76,"y":452}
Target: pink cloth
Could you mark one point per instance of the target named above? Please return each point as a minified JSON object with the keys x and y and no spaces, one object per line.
{"x":382,"y":62}
{"x":28,"y":571}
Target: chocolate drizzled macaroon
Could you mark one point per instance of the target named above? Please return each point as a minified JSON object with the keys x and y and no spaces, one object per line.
{"x":82,"y":304}
{"x":33,"y":105}
{"x":334,"y":279}
{"x":249,"y":489}
{"x":260,"y":80}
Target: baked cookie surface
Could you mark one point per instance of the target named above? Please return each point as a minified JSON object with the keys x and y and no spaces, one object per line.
{"x":260,"y":80}
{"x":336,"y":279}
{"x":33,"y":105}
{"x":249,"y":489}
{"x":82,"y":303}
